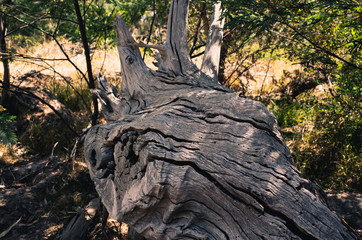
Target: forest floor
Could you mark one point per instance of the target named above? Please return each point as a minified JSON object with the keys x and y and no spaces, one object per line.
{"x":39,"y":196}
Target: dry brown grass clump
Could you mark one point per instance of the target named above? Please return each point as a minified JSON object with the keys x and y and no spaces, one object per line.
{"x":43,"y":57}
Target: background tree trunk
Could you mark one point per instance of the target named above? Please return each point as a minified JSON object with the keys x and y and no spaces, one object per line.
{"x":5,"y":60}
{"x":182,"y":157}
{"x":91,"y":80}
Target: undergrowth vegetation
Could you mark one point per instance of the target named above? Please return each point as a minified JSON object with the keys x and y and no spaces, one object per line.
{"x":68,"y":95}
{"x":324,"y":139}
{"x":7,"y":133}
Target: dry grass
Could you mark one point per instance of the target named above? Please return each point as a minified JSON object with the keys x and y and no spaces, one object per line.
{"x":105,"y":60}
{"x":263,"y":76}
{"x":11,"y":154}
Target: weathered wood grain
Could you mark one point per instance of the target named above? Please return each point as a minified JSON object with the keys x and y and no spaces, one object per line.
{"x":182,"y":157}
{"x":211,"y":60}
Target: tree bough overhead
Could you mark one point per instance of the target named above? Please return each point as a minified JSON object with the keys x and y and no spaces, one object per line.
{"x":182,"y":157}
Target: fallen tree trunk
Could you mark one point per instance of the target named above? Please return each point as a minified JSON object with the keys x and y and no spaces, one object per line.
{"x":182,"y":157}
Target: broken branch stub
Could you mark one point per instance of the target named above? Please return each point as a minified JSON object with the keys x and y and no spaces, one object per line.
{"x":182,"y":157}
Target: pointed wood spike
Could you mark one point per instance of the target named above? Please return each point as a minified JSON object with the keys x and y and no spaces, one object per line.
{"x":114,"y":107}
{"x":177,"y":26}
{"x":211,"y":60}
{"x":134,"y":70}
{"x":124,"y":36}
{"x":178,"y":60}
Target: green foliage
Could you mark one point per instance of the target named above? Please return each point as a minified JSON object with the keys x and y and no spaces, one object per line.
{"x":315,"y":33}
{"x":325,"y":139}
{"x":33,"y":21}
{"x":7,"y":134}
{"x":133,"y":11}
{"x":98,"y":17}
{"x":140,"y":15}
{"x":290,"y":113}
{"x":325,"y":37}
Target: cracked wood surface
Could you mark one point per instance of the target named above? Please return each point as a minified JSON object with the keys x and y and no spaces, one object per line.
{"x":182,"y":157}
{"x":211,"y":60}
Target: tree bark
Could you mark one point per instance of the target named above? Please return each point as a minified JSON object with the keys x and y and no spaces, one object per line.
{"x":91,"y":80}
{"x":5,"y":61}
{"x":182,"y":157}
{"x":211,"y":60}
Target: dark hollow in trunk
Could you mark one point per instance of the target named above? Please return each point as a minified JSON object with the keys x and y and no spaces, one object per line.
{"x":182,"y":157}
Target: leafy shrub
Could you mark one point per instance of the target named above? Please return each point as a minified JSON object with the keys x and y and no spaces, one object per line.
{"x":331,"y":154}
{"x":7,"y":134}
{"x":324,"y":136}
{"x":290,"y":113}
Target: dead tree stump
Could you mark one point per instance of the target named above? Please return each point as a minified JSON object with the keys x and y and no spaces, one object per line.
{"x":182,"y":157}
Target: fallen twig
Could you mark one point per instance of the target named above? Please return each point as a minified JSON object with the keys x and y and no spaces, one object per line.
{"x":3,"y":234}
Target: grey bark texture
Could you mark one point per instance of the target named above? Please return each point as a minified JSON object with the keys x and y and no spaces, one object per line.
{"x":182,"y":157}
{"x":211,"y":60}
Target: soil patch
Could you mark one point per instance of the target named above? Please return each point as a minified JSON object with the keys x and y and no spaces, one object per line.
{"x":348,"y":206}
